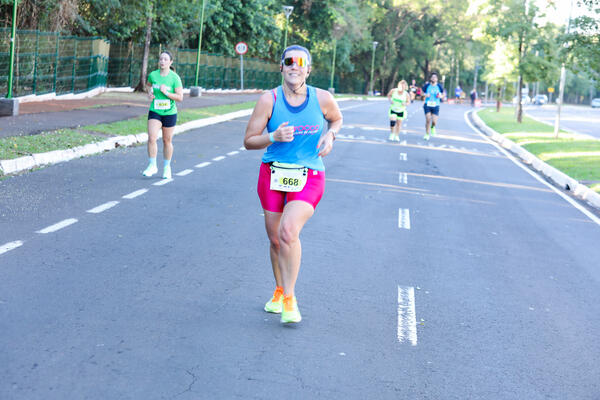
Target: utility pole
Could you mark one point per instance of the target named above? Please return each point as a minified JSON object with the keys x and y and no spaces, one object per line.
{"x":372,"y":67}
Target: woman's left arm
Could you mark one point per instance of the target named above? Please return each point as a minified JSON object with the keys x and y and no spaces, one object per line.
{"x":333,"y":115}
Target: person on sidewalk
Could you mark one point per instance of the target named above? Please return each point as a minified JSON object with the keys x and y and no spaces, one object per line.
{"x":433,"y":93}
{"x":164,"y":89}
{"x":399,"y":98}
{"x":292,"y":175}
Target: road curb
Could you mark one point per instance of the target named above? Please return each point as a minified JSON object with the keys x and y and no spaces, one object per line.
{"x":37,"y":160}
{"x":559,"y":178}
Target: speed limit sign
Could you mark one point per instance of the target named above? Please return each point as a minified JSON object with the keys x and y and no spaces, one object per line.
{"x":241,"y":48}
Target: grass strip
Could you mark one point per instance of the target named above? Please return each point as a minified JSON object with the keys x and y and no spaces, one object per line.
{"x":19,"y":146}
{"x":140,"y":124}
{"x":576,"y":155}
{"x":62,"y":139}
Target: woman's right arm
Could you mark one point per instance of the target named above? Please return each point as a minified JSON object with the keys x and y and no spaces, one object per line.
{"x":254,"y":139}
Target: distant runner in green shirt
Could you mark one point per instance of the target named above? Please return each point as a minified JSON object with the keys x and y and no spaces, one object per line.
{"x":399,"y":99}
{"x":164,"y":89}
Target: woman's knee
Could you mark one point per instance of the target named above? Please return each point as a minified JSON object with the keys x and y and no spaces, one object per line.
{"x":288,"y":233}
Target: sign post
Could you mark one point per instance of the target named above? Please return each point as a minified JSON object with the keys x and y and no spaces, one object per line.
{"x":241,"y":48}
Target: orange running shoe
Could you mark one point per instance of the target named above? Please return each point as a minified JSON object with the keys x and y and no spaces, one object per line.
{"x":276,"y":303}
{"x":290,"y":312}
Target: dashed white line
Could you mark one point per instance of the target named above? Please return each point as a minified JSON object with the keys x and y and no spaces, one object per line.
{"x":202,"y":165}
{"x":232,"y":153}
{"x":403,"y":157}
{"x":219,"y":158}
{"x":403,"y":218}
{"x":103,"y":207}
{"x":163,"y":182}
{"x":403,"y":143}
{"x":407,"y":319}
{"x":185,"y":172}
{"x":403,"y":178}
{"x":242,"y":148}
{"x":135,"y":194}
{"x":58,"y":225}
{"x":10,"y":246}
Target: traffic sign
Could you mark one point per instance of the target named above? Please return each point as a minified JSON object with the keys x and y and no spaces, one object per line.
{"x":550,"y":90}
{"x":241,"y":48}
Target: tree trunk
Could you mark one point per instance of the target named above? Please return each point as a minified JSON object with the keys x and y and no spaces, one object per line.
{"x":141,"y":87}
{"x":520,"y":89}
{"x":498,"y":98}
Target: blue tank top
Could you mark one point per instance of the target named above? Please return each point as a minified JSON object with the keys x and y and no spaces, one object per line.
{"x":308,"y":122}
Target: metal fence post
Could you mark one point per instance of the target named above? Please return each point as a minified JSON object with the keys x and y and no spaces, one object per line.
{"x":73,"y":70}
{"x":56,"y":62}
{"x":35,"y":60}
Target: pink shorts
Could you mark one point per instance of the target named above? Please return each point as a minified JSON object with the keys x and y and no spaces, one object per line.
{"x":274,"y":200}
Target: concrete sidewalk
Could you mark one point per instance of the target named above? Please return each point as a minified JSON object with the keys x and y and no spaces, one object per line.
{"x":37,"y":117}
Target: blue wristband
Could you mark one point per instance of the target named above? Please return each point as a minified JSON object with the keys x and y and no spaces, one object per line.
{"x":271,"y":137}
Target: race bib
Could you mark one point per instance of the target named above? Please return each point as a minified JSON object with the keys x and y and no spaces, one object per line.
{"x":162,"y":104}
{"x":288,"y":177}
{"x":432,"y":103}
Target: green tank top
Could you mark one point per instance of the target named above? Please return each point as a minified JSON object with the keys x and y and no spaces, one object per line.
{"x":399,"y":100}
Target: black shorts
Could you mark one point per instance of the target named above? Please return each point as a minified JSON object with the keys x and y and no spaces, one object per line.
{"x":434,"y":110}
{"x":400,"y":114}
{"x":168,"y":121}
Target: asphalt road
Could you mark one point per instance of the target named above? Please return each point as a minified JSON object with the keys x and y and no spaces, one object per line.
{"x":430,"y":270}
{"x":580,"y":119}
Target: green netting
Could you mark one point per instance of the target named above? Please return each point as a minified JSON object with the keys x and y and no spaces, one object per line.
{"x":48,"y":62}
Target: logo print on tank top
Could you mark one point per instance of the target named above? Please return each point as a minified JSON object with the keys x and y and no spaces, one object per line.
{"x":306,"y":129}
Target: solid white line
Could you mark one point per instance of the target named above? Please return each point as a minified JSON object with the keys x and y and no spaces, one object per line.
{"x":103,"y":207}
{"x":403,"y":178}
{"x":232,"y":153}
{"x":185,"y":172}
{"x":536,"y":176}
{"x":202,"y":165}
{"x":218,"y":158}
{"x":10,"y":246}
{"x":57,"y":226}
{"x":135,"y":194}
{"x":163,"y":182}
{"x":403,"y":218}
{"x":403,"y":156}
{"x":407,"y":319}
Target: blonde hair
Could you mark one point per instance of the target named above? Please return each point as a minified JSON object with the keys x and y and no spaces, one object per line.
{"x":403,"y":84}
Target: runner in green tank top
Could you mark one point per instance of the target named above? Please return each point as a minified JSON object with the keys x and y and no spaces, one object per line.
{"x":164,"y":89}
{"x":399,"y":99}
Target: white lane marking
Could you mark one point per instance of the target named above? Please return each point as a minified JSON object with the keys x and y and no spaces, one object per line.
{"x":232,"y":153}
{"x":162,"y":182}
{"x":404,"y":132}
{"x":403,"y":157}
{"x":407,"y":319}
{"x":348,"y":126}
{"x":536,"y":176}
{"x":219,"y":158}
{"x":403,"y":178}
{"x":202,"y":165}
{"x":10,"y":246}
{"x":185,"y":172}
{"x":350,"y":107}
{"x":242,"y":148}
{"x":403,"y":143}
{"x":135,"y":194}
{"x":403,"y":218}
{"x":58,"y":225}
{"x":103,"y":207}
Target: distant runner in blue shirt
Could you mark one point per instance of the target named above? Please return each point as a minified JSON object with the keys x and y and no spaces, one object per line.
{"x":433,"y":93}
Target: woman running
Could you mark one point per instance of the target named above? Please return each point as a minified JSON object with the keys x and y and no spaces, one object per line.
{"x":164,"y":89}
{"x":292,"y":175}
{"x":399,"y":99}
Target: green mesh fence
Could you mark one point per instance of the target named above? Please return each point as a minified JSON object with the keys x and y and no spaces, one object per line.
{"x":48,"y":62}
